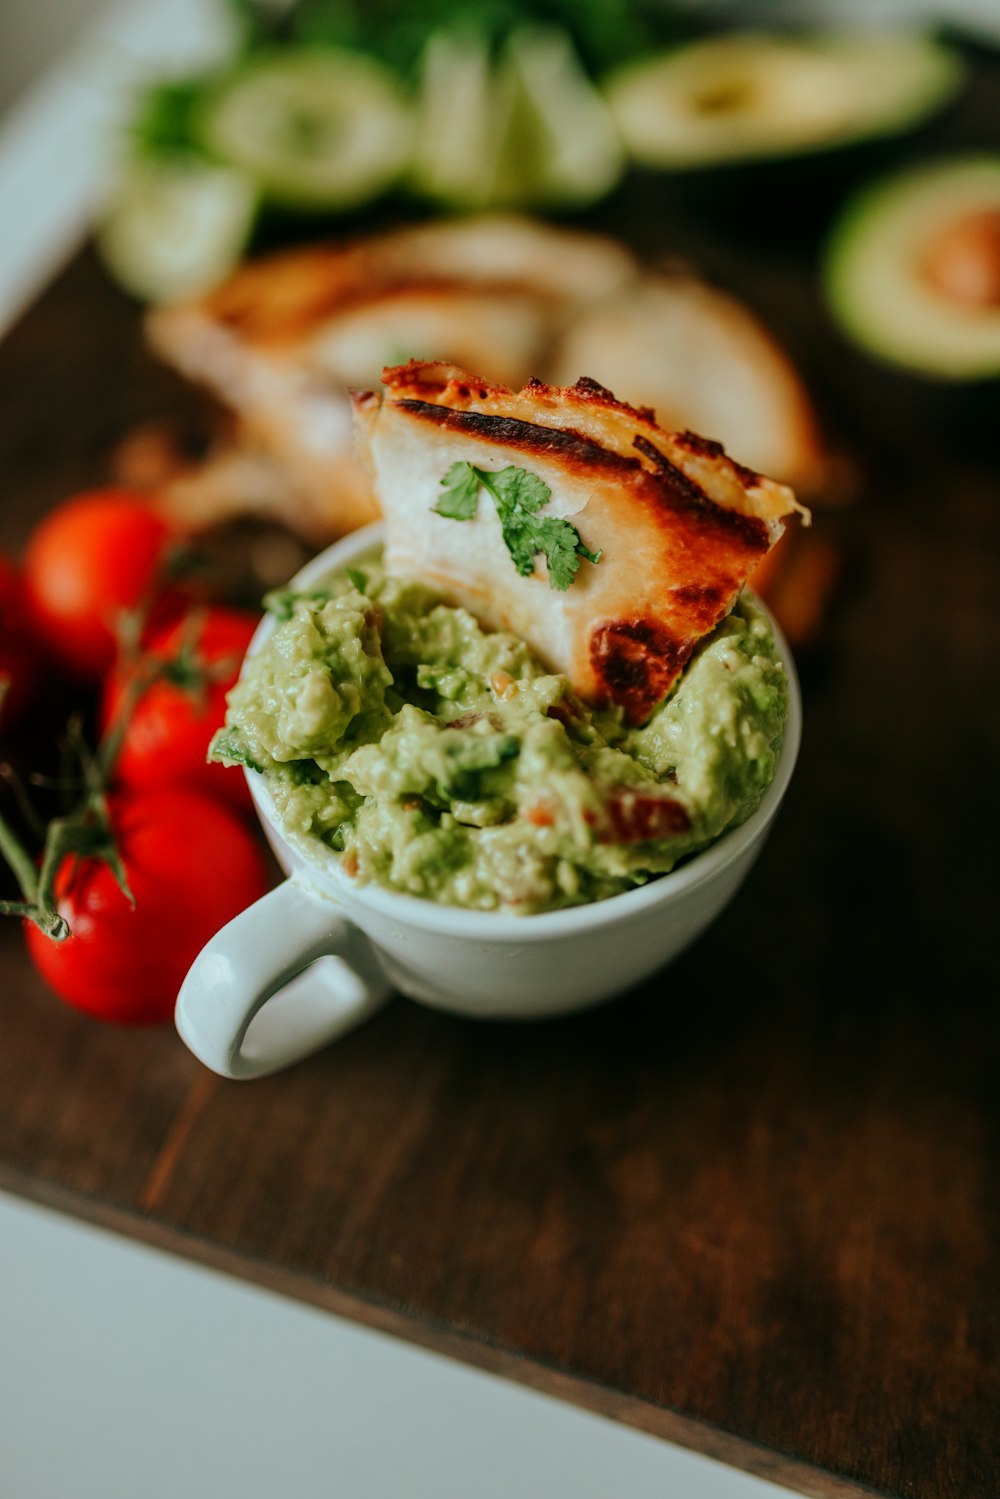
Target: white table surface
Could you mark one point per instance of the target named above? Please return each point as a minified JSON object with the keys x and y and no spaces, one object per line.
{"x":127,"y":1373}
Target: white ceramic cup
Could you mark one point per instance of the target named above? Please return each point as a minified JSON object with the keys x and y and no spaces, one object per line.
{"x":319,"y":953}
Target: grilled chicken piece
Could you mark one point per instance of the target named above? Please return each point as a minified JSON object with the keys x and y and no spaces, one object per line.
{"x":678,"y":524}
{"x":701,"y":360}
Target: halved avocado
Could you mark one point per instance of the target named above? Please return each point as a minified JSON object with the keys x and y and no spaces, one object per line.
{"x":748,"y":96}
{"x":912,"y":269}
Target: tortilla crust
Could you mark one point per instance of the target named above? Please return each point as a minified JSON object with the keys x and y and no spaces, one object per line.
{"x":679,"y":525}
{"x":698,"y":356}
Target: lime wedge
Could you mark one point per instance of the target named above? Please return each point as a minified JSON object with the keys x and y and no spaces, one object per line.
{"x":525,"y":130}
{"x":463,"y":110}
{"x":562,"y":147}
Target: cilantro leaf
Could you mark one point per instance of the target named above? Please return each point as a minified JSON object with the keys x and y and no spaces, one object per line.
{"x":466,"y":756}
{"x":281,"y":602}
{"x":560,"y":543}
{"x":229,"y":749}
{"x":518,"y":495}
{"x":516,"y":490}
{"x":460,"y":499}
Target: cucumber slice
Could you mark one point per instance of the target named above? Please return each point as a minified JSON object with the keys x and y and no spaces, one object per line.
{"x":317,"y":130}
{"x":742,"y":97}
{"x":176,"y":226}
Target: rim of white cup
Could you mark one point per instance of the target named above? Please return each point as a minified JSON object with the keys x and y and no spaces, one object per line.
{"x":433,"y":916}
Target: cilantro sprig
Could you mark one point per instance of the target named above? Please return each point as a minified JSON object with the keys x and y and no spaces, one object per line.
{"x":517,"y":495}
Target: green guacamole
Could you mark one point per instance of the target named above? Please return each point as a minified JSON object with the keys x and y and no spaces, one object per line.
{"x":432,"y":757}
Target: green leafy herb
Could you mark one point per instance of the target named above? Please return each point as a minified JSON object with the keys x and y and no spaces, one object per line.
{"x":460,"y":497}
{"x":281,"y":601}
{"x":467,"y":756}
{"x":229,"y":749}
{"x":606,"y":32}
{"x":165,"y":121}
{"x":518,"y":496}
{"x":358,"y":578}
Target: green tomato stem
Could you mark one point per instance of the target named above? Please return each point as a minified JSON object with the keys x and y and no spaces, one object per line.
{"x":20,"y":861}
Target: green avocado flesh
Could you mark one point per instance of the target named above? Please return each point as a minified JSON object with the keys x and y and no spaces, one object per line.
{"x":913,"y":269}
{"x":735,"y":98}
{"x":427,"y":755}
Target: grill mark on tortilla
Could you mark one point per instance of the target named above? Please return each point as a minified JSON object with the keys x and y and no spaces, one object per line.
{"x":511,"y":432}
{"x":600,"y":395}
{"x":569,"y":445}
{"x":636,"y":661}
{"x":687,"y":494}
{"x":706,"y":597}
{"x":707,"y":447}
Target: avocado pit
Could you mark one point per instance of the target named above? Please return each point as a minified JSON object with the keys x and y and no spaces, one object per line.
{"x":962,"y":263}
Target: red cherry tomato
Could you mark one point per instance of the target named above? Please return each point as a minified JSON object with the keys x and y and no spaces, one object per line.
{"x":93,"y":557}
{"x":192,"y":865}
{"x":18,"y":680}
{"x":20,"y":666}
{"x":168,"y":731}
{"x":11,"y":595}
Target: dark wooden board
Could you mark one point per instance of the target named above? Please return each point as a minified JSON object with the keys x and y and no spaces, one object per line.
{"x":755,"y":1206}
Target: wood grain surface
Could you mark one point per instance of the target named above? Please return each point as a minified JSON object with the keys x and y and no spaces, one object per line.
{"x":755,"y":1206}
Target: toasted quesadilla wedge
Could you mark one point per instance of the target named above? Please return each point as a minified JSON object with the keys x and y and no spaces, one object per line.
{"x":489,"y":291}
{"x":677,"y":525}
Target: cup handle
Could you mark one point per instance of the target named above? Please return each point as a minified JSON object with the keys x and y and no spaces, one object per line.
{"x":280,"y":981}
